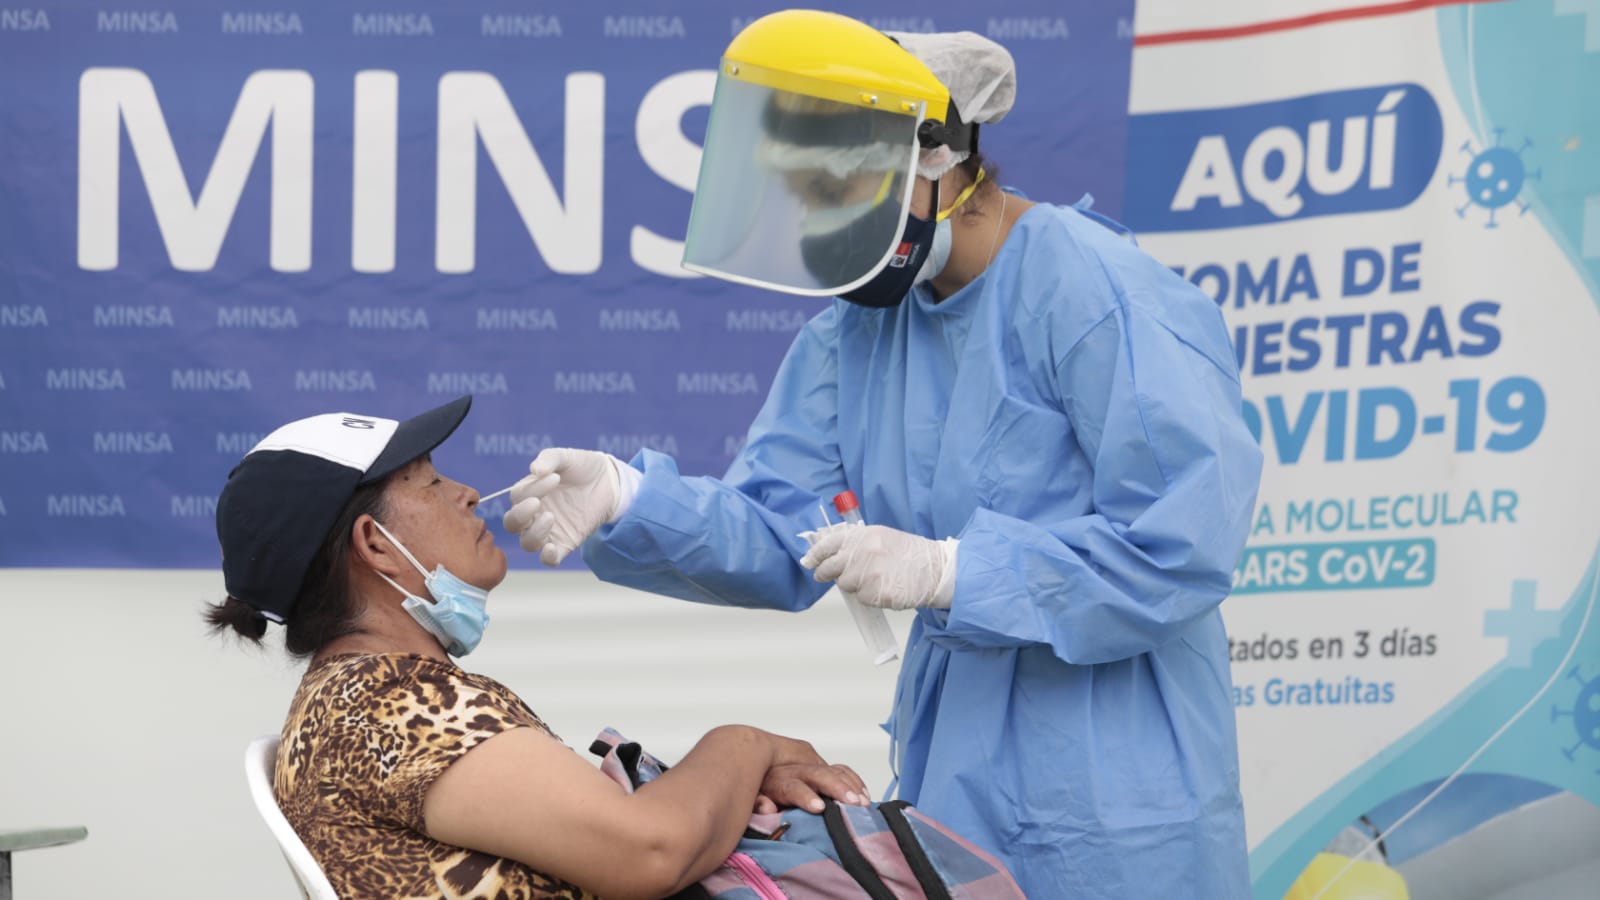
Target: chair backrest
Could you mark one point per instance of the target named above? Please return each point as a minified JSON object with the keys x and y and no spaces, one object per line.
{"x":260,"y":758}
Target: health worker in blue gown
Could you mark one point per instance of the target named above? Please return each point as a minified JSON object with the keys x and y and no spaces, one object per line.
{"x":1042,"y":424}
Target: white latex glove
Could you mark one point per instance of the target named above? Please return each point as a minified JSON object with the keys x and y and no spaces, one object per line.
{"x":566,"y":497}
{"x":885,"y":567}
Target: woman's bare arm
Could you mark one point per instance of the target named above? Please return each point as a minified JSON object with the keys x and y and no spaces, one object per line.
{"x":526,"y":796}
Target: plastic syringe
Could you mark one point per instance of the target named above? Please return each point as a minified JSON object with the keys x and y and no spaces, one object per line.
{"x":870,"y":621}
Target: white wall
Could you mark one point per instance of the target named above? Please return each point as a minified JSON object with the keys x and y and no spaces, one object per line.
{"x":122,"y":715}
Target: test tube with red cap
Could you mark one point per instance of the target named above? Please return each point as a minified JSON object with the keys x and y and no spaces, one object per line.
{"x":849,"y":507}
{"x":870,"y":621}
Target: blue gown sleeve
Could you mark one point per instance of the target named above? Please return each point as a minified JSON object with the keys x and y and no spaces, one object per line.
{"x":735,"y":541}
{"x":1152,"y":394}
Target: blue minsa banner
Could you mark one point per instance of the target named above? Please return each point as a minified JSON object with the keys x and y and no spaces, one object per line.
{"x":218,"y":217}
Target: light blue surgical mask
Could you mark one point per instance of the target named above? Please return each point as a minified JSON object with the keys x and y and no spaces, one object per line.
{"x":456,"y":616}
{"x":938,"y":254}
{"x":943,"y":234}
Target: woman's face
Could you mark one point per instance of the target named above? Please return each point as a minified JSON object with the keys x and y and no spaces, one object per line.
{"x":434,"y":517}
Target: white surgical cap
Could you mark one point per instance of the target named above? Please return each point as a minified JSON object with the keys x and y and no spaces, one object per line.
{"x":981,"y":77}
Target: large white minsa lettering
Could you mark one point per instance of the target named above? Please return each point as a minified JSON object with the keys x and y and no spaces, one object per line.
{"x":374,"y":148}
{"x":1296,"y":160}
{"x":664,"y":148}
{"x":473,"y":105}
{"x":193,"y":229}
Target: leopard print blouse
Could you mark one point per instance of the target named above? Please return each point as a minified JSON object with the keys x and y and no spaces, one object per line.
{"x":365,"y":738}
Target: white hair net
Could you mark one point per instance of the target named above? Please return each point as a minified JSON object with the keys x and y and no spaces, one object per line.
{"x":981,"y":77}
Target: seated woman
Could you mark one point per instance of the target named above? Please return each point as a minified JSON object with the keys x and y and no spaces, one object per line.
{"x":403,"y":774}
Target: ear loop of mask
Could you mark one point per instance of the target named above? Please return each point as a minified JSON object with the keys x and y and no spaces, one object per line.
{"x":960,"y":198}
{"x":412,"y":559}
{"x":883,"y":189}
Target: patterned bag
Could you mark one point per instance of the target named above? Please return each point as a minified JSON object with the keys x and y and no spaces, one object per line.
{"x":887,"y":852}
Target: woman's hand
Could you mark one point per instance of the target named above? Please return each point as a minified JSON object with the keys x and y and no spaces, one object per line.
{"x":788,"y":751}
{"x":798,"y":776}
{"x":804,"y":784}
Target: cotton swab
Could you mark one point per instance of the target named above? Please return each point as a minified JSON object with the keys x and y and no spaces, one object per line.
{"x":487,"y":497}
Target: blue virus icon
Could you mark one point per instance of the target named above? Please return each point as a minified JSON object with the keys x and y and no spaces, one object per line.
{"x":1494,"y":177}
{"x":1585,"y":714}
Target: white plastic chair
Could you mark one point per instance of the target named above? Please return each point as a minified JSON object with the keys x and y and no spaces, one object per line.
{"x":260,"y":758}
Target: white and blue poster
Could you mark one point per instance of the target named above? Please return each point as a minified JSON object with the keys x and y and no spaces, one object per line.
{"x":218,"y":216}
{"x":1397,"y":207}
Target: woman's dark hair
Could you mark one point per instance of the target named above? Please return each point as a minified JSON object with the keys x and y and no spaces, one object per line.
{"x":325,"y":610}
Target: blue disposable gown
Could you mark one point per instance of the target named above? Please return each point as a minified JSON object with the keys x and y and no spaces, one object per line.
{"x":1073,"y":416}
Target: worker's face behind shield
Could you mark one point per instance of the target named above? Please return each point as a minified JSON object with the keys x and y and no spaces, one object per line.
{"x":797,"y":193}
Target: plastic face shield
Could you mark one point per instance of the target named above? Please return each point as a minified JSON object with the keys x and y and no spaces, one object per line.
{"x":797,"y":193}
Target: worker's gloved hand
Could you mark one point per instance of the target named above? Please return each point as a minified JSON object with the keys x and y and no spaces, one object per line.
{"x":885,"y":567}
{"x":566,"y":497}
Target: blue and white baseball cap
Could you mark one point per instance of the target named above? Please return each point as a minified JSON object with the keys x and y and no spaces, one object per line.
{"x":286,"y":494}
